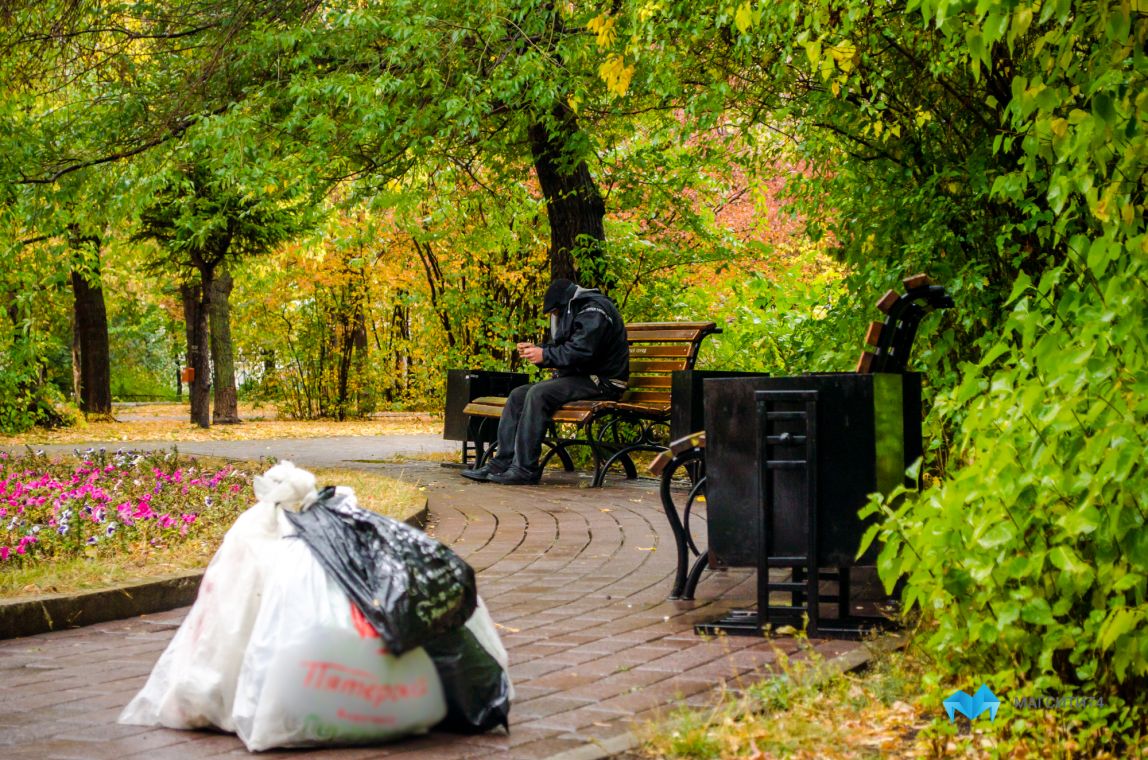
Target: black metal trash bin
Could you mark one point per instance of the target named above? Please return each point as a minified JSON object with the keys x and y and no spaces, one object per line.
{"x":865,"y":431}
{"x":687,"y":412}
{"x":464,"y":386}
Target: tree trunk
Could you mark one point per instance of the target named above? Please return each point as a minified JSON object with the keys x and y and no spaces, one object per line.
{"x":196,"y":300}
{"x":573,"y":204}
{"x":223,"y":352}
{"x":91,"y":326}
{"x":179,"y":363}
{"x":77,"y":376}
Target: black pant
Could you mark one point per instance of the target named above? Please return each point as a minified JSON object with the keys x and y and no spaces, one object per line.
{"x":528,"y":410}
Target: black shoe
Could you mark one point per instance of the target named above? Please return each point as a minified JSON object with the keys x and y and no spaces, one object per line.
{"x":482,"y":474}
{"x":515,"y":476}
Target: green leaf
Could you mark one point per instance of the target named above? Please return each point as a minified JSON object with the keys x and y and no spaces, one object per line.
{"x":1037,"y":612}
{"x":1121,"y":621}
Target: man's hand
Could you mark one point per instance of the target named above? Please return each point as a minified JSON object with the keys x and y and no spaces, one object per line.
{"x":530,"y":352}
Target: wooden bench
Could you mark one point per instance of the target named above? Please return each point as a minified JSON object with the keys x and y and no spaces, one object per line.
{"x":888,"y":345}
{"x":613,"y":430}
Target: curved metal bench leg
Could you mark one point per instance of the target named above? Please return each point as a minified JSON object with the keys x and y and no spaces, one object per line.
{"x":691,"y":585}
{"x":698,"y":487}
{"x":679,"y":533}
{"x":483,"y":453}
{"x":557,"y":450}
{"x":623,"y":456}
{"x":686,"y":576}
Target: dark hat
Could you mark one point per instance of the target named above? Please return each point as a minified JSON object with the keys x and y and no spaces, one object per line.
{"x":558,"y":294}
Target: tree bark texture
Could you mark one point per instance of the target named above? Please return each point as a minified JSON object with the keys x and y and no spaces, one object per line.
{"x":196,"y":300}
{"x":574,"y":205}
{"x":91,"y":326}
{"x":223,"y":352}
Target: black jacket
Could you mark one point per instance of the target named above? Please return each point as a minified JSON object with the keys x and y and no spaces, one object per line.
{"x":588,"y":337}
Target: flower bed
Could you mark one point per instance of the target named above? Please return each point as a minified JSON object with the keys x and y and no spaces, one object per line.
{"x":99,"y":504}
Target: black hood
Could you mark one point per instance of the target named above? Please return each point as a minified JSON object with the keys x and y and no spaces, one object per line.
{"x":558,"y":295}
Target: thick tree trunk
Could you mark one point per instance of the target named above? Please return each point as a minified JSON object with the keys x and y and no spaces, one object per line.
{"x":91,"y":326}
{"x":223,"y":352}
{"x":573,"y":204}
{"x":196,"y":301}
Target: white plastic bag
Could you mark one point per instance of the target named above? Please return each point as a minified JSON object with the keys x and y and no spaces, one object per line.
{"x":193,"y":684}
{"x":316,"y":672}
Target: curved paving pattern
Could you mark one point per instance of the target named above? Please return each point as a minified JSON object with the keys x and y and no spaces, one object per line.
{"x":576,"y":579}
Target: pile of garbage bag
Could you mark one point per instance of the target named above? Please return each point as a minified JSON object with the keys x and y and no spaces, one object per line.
{"x":318,"y":622}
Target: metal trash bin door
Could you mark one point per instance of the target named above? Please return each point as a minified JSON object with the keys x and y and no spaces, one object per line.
{"x":868,"y":433}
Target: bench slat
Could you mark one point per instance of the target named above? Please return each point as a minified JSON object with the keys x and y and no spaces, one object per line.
{"x":642,"y":408}
{"x":642,"y":365}
{"x":486,"y":406}
{"x":640,"y":350}
{"x":912,"y":282}
{"x":887,"y":301}
{"x":647,"y":397}
{"x":665,"y":335}
{"x":657,"y":326}
{"x":873,"y":334}
{"x":641,"y":382}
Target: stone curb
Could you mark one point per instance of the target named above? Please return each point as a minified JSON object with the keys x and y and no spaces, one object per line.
{"x":622,"y":745}
{"x":55,"y":612}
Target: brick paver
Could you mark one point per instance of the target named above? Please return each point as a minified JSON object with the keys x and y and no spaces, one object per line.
{"x":576,"y":579}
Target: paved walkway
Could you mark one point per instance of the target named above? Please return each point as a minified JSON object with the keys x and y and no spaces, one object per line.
{"x":576,"y":578}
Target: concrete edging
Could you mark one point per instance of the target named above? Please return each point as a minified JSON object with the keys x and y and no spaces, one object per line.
{"x":55,"y":612}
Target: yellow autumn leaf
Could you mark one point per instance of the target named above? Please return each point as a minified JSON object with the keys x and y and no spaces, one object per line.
{"x":649,"y":10}
{"x":603,"y":26}
{"x":813,"y":52}
{"x":843,"y":55}
{"x":743,"y":18}
{"x":616,"y":74}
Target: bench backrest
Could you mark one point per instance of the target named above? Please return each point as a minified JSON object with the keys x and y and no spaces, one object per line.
{"x":657,"y":349}
{"x":888,"y":344}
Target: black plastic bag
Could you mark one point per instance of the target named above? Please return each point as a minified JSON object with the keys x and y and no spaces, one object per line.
{"x":476,"y":688}
{"x":411,"y":588}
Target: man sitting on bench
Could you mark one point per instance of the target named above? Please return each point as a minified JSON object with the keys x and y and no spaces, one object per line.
{"x":588,"y":349}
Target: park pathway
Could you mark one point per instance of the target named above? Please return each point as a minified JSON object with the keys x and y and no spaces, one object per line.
{"x":576,"y":579}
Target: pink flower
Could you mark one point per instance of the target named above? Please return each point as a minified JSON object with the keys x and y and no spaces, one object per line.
{"x":4,"y":552}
